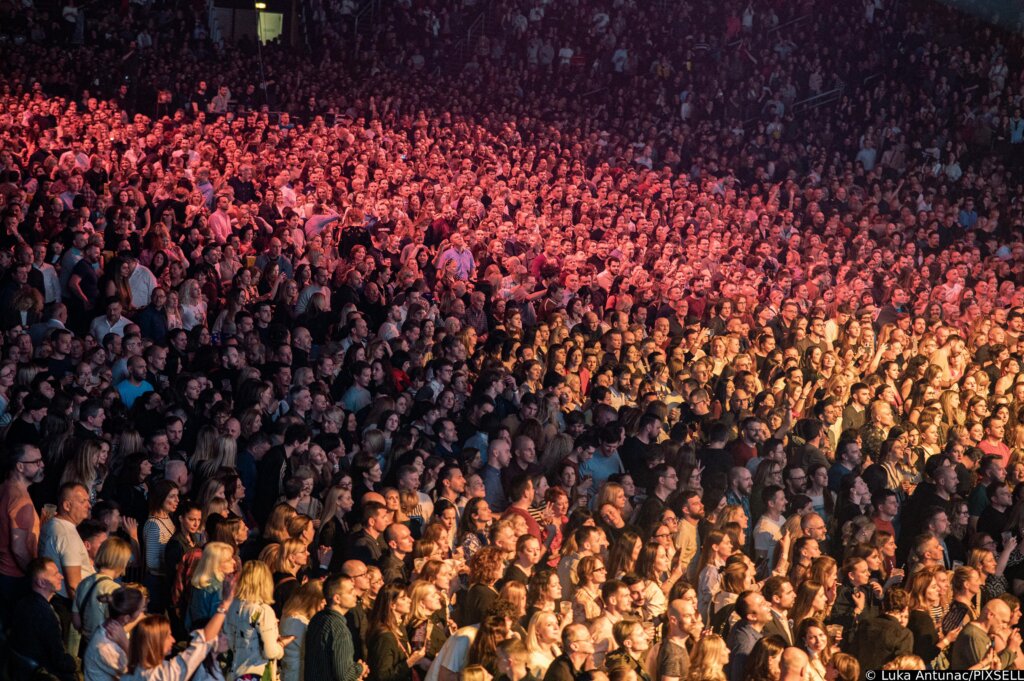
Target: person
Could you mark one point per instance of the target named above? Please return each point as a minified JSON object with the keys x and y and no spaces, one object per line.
{"x":577,"y":648}
{"x":88,"y":611}
{"x":632,"y":642}
{"x":754,"y":614}
{"x":709,"y":660}
{"x":151,"y":644}
{"x":390,"y":655}
{"x":812,"y":638}
{"x":684,"y":627}
{"x":216,"y":564}
{"x":60,"y":542}
{"x":542,"y":639}
{"x":106,"y":657}
{"x":19,"y":523}
{"x":305,"y":602}
{"x":763,"y":663}
{"x":329,"y":650}
{"x":38,"y":641}
{"x":485,"y":570}
{"x":988,"y":642}
{"x":251,"y":625}
{"x":511,"y":661}
{"x":884,"y":638}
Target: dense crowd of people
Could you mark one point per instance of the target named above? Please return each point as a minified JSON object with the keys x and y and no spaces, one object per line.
{"x":606,"y":355}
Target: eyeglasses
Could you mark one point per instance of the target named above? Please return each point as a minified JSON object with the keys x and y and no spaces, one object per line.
{"x":32,"y":461}
{"x":361,"y":574}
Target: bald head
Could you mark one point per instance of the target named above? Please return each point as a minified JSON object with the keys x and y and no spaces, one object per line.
{"x":374,"y":497}
{"x":353,"y":568}
{"x":793,"y":665}
{"x":996,"y":615}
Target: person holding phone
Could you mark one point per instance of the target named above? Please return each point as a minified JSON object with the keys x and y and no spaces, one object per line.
{"x":988,"y":642}
{"x":391,"y":656}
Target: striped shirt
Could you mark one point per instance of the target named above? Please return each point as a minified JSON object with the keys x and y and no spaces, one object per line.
{"x":329,"y":654}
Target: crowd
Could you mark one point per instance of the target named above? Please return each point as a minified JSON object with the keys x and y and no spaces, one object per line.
{"x":604,"y":357}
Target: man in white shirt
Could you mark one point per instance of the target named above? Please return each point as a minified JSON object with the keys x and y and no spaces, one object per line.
{"x":141,"y":282}
{"x":220,"y":220}
{"x":59,"y":541}
{"x":111,"y":322}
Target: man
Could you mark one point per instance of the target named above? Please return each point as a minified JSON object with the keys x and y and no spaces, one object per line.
{"x":666,"y":480}
{"x":136,"y":385}
{"x":499,"y":455}
{"x":111,"y":322}
{"x":753,"y":612}
{"x":989,"y":638}
{"x":684,"y":627}
{"x":741,"y":483}
{"x":462,"y":257}
{"x":990,"y":470}
{"x":275,"y":466}
{"x":855,"y":414}
{"x":37,"y":640}
{"x":887,"y":509}
{"x":687,"y":541}
{"x":329,"y":651}
{"x":577,"y":650}
{"x":992,"y":444}
{"x":26,"y":429}
{"x":451,"y":485}
{"x":781,"y":596}
{"x":994,"y":517}
{"x":366,"y":546}
{"x":521,"y":494}
{"x":793,"y":665}
{"x":636,"y":449}
{"x":60,"y":542}
{"x":745,"y":447}
{"x":848,"y":458}
{"x":358,"y":622}
{"x":855,"y":601}
{"x":511,"y":660}
{"x":400,"y":543}
{"x":19,"y":523}
{"x":881,"y":639}
{"x":617,"y":604}
{"x":633,"y":644}
{"x":768,"y":530}
{"x":141,"y":282}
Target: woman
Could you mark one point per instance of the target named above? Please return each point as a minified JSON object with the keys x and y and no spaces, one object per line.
{"x":158,"y":530}
{"x":992,"y":569}
{"x":708,"y":660}
{"x":292,"y":559}
{"x":843,"y":667}
{"x":190,"y":521}
{"x":427,"y":625}
{"x":251,"y":625}
{"x":152,"y":642}
{"x":716,"y":550}
{"x":623,"y":554}
{"x":493,"y":630}
{"x":822,"y":498}
{"x":89,"y":611}
{"x":653,"y":567}
{"x":89,"y":467}
{"x":926,"y":615}
{"x":476,"y":520}
{"x":590,"y":575}
{"x":763,"y":662}
{"x":811,"y":601}
{"x":306,"y":601}
{"x":193,"y":306}
{"x":106,"y":657}
{"x":216,"y":564}
{"x":542,"y":639}
{"x":810,"y":636}
{"x":390,"y":655}
{"x":485,"y":569}
{"x":544,"y":593}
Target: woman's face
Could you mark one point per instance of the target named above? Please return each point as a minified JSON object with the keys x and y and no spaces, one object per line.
{"x":820,"y":601}
{"x":171,"y":502}
{"x":662,"y":562}
{"x":815,"y":640}
{"x":933,"y":593}
{"x":192,"y":520}
{"x":403,"y":605}
{"x":554,"y":590}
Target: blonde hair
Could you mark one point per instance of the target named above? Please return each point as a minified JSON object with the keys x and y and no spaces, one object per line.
{"x":905,"y":663}
{"x":255,"y":584}
{"x":705,"y":660}
{"x":475,"y":672}
{"x":533,"y":642}
{"x":418,"y":592}
{"x":114,"y":554}
{"x":208,"y":572}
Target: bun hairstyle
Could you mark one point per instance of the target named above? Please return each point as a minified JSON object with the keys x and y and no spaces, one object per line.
{"x":126,"y":600}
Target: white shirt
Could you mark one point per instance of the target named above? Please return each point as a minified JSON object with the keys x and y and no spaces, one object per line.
{"x":101,"y":326}
{"x":141,"y":282}
{"x":453,"y":653}
{"x":59,"y":541}
{"x":51,"y":282}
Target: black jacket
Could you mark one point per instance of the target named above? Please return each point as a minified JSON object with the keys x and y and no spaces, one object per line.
{"x":879,"y":640}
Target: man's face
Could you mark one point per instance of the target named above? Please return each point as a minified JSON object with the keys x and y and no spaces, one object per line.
{"x":785,"y":598}
{"x":347,"y":597}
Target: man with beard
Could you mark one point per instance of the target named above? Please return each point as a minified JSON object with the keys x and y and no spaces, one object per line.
{"x":19,"y":522}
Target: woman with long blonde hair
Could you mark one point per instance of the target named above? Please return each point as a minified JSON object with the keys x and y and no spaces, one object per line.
{"x":88,"y":467}
{"x":426,"y":625}
{"x":251,"y":624}
{"x":708,"y":660}
{"x":542,"y":639}
{"x":216,"y":564}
